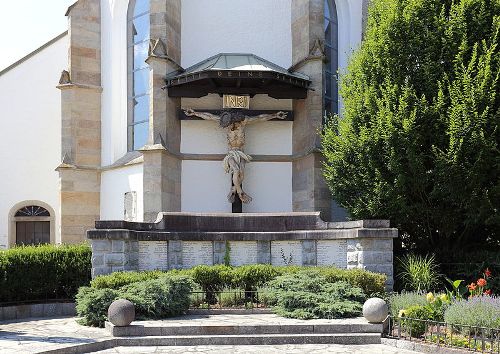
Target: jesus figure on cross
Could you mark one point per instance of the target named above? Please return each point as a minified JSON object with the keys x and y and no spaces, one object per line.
{"x":234,"y":123}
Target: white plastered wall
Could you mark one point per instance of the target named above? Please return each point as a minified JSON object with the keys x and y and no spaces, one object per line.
{"x":31,"y":133}
{"x":114,"y":184}
{"x":261,"y":27}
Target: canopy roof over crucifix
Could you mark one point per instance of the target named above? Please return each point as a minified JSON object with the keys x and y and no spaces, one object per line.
{"x":237,"y":74}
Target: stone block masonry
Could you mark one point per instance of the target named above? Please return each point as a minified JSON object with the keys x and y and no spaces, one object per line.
{"x":184,"y":240}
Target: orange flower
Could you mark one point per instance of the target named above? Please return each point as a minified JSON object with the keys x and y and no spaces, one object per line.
{"x":487,"y":292}
{"x":481,"y":282}
{"x":487,"y":273}
{"x":471,"y":286}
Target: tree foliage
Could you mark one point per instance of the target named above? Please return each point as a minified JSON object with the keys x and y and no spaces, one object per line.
{"x":418,"y":141}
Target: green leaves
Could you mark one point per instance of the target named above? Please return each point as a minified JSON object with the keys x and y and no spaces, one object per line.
{"x":418,"y":141}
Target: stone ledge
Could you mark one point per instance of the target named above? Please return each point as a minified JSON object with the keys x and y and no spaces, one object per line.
{"x":122,"y":234}
{"x":250,"y":222}
{"x":17,"y":312}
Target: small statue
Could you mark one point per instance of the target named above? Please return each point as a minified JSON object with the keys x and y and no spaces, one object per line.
{"x":234,"y":123}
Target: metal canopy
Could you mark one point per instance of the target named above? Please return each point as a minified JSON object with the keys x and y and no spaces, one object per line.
{"x":237,"y":74}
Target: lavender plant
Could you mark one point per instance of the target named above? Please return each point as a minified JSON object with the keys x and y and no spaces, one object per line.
{"x":398,"y":302}
{"x":481,"y":311}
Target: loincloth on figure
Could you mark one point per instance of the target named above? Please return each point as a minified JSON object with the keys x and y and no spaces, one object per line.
{"x":235,"y":161}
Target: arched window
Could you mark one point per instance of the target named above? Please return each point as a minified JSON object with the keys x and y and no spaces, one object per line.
{"x":330,"y":67}
{"x":138,"y":73}
{"x":32,"y":225}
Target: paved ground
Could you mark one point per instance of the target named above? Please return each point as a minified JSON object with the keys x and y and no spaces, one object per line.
{"x":246,"y":319}
{"x":39,"y":335}
{"x":261,"y":349}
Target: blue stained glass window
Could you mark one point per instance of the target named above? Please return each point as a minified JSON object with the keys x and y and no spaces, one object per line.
{"x":330,"y":68}
{"x":138,"y":73}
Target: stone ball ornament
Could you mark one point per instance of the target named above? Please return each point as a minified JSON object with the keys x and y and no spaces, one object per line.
{"x":375,"y":310}
{"x":121,"y":312}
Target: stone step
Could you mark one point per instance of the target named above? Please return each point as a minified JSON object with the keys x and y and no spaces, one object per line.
{"x":240,"y":329}
{"x":254,"y":339}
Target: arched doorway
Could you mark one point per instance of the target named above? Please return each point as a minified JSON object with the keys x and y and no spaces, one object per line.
{"x":31,"y":223}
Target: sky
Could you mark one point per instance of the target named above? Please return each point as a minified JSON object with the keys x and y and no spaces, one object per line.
{"x":26,"y":25}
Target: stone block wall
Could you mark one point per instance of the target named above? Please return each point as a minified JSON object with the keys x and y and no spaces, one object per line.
{"x":360,"y":244}
{"x":80,"y":87}
{"x":110,"y":256}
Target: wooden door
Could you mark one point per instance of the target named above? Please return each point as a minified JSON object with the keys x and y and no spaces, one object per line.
{"x":32,"y":232}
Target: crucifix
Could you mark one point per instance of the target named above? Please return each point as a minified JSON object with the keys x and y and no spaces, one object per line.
{"x":234,"y":123}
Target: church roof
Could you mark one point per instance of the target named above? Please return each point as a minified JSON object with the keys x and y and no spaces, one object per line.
{"x":237,"y":73}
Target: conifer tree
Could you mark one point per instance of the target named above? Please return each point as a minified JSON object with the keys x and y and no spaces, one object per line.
{"x":419,"y":136}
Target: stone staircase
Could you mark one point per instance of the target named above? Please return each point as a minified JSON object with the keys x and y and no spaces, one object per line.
{"x":261,"y":329}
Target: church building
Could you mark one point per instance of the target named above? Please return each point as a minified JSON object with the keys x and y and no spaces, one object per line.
{"x":144,"y":106}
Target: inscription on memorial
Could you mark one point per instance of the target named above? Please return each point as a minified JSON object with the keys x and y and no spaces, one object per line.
{"x":153,"y":255}
{"x":243,"y":252}
{"x":286,"y":253}
{"x":332,"y":253}
{"x":196,"y":252}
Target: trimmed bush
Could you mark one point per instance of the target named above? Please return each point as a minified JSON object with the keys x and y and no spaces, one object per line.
{"x":248,"y":277}
{"x":307,"y":294}
{"x":213,"y":278}
{"x":45,"y":272}
{"x":166,"y":296}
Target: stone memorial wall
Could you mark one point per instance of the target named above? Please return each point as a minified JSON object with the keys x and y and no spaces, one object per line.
{"x":183,"y":240}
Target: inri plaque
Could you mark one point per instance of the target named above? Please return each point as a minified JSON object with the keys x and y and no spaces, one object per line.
{"x":232,"y":101}
{"x":153,"y":255}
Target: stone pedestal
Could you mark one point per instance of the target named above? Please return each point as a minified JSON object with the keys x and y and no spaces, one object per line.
{"x":184,"y":240}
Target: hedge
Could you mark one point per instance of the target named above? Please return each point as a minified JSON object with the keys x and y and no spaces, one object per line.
{"x":45,"y":272}
{"x":248,"y":277}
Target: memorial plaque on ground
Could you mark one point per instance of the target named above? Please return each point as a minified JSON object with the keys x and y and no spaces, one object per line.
{"x":332,"y":253}
{"x":197,"y":252}
{"x":243,"y":252}
{"x":286,"y":253}
{"x":153,"y":255}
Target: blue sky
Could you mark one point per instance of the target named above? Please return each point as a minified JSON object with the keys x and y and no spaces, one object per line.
{"x":25,"y":25}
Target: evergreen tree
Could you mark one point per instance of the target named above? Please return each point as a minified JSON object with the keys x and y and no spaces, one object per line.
{"x":418,"y":140}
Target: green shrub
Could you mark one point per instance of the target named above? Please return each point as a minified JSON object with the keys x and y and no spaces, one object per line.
{"x":308,"y":294}
{"x":398,"y":302}
{"x":44,"y":272}
{"x":249,"y":277}
{"x":167,"y":296}
{"x":416,"y":328}
{"x":92,"y":305}
{"x":212,"y":278}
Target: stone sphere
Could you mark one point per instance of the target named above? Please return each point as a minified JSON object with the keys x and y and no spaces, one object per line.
{"x":375,"y":310}
{"x":121,"y":312}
